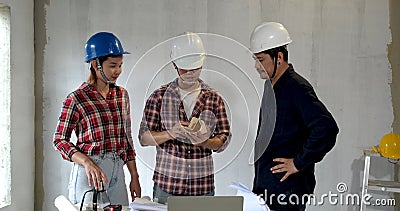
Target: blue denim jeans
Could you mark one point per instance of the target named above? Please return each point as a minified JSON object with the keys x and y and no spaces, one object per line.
{"x":112,"y":165}
{"x":161,"y":196}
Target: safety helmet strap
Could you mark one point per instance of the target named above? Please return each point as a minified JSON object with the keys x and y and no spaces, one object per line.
{"x":273,"y":53}
{"x":100,"y":68}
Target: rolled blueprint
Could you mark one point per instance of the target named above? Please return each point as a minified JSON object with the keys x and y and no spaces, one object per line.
{"x":63,"y":204}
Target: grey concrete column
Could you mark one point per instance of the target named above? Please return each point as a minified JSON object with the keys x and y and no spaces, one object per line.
{"x":394,"y":55}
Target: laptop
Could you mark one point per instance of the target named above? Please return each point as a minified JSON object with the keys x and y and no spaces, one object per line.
{"x":205,"y":203}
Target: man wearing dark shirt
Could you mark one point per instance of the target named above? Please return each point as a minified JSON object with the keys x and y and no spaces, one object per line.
{"x":304,"y":129}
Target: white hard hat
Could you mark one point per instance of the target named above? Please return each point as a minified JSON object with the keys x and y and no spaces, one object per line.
{"x":267,"y":36}
{"x":188,"y":51}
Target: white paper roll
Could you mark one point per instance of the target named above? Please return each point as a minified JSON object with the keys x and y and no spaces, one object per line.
{"x":63,"y":204}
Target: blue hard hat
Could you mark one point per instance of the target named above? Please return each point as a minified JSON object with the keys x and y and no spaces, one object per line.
{"x":103,"y":44}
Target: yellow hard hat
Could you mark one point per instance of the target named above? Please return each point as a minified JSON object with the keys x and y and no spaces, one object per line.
{"x":389,"y":146}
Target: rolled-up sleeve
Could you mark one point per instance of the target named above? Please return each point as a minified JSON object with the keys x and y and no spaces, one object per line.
{"x":151,"y":116}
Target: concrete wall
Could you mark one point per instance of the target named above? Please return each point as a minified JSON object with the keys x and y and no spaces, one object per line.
{"x":340,"y":46}
{"x":22,"y":105}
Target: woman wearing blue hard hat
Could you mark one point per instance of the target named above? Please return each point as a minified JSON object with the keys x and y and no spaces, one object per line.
{"x":99,"y":113}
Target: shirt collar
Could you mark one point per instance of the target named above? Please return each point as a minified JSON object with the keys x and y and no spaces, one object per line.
{"x":87,"y":87}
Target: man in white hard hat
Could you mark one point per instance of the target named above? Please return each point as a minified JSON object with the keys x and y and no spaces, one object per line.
{"x":184,"y":165}
{"x":304,"y":129}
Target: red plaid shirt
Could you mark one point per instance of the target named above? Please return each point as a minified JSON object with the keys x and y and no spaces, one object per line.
{"x":101,"y":125}
{"x":181,"y":168}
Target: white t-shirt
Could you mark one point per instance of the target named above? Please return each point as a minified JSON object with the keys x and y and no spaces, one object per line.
{"x":189,"y":100}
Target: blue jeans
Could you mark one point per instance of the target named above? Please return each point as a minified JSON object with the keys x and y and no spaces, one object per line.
{"x":161,"y":196}
{"x":112,"y":165}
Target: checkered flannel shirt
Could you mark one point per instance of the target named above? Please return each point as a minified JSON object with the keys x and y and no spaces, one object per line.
{"x":101,"y":125}
{"x":182,"y":168}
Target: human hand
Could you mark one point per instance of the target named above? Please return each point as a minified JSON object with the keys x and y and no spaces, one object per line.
{"x":177,"y":131}
{"x":136,"y":190}
{"x":286,"y":165}
{"x":94,"y":174}
{"x":199,"y":137}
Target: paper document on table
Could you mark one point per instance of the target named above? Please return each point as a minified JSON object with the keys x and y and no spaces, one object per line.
{"x":251,"y":202}
{"x":241,"y":187}
{"x":145,"y":204}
